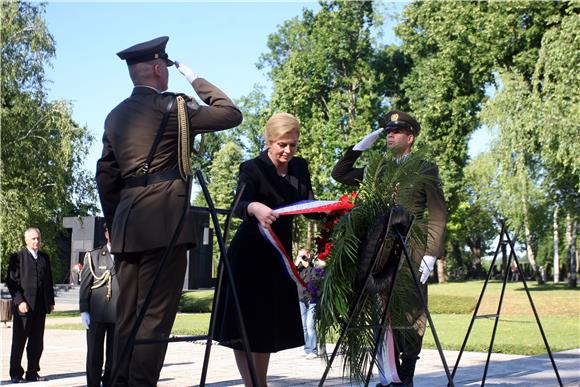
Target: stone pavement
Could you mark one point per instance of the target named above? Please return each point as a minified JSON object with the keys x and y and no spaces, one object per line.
{"x":63,"y":363}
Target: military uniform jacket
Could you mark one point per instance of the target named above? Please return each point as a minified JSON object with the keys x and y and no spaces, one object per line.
{"x":427,"y":195}
{"x":27,"y":275}
{"x":95,"y":301}
{"x":145,"y":218}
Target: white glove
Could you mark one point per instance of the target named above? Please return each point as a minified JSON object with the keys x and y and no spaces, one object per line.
{"x":368,"y":140}
{"x":186,"y":71}
{"x":86,"y":319}
{"x":427,"y":264}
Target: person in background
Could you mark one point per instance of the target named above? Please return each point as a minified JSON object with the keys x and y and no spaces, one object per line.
{"x":98,"y":296}
{"x":32,"y":290}
{"x":308,"y":298}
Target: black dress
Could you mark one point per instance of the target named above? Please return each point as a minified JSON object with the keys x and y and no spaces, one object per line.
{"x":268,"y":296}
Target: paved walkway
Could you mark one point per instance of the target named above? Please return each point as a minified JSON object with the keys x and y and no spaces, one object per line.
{"x":63,"y":363}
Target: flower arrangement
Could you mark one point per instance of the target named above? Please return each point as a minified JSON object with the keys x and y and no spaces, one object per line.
{"x":323,"y":244}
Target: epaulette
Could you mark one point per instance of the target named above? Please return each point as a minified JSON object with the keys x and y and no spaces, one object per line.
{"x":189,"y":100}
{"x":172,"y":94}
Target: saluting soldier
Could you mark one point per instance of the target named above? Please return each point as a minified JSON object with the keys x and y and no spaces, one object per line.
{"x":98,"y":296}
{"x":142,"y":193}
{"x":401,"y":132}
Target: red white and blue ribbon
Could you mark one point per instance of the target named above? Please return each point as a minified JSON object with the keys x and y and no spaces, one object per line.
{"x":389,"y":365}
{"x":302,"y":207}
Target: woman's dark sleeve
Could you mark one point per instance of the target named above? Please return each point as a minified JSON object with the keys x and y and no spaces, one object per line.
{"x":248,"y":182}
{"x":344,"y":171}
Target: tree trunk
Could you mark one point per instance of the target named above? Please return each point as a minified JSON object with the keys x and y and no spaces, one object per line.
{"x":441,"y":276}
{"x":310,"y":232}
{"x":556,"y":243}
{"x":458,"y":259}
{"x":475,"y":247}
{"x":504,"y":259}
{"x":571,"y":234}
{"x":530,"y":251}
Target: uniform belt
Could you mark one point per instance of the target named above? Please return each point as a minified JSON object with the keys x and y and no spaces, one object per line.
{"x":151,"y":178}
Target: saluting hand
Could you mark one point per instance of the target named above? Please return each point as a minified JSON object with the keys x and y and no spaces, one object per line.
{"x":186,"y":71}
{"x":263,"y":213}
{"x":368,"y":140}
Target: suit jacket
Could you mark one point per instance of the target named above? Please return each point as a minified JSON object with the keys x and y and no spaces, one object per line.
{"x":426,"y":196}
{"x":26,"y":276}
{"x":144,"y":218}
{"x":96,"y":301}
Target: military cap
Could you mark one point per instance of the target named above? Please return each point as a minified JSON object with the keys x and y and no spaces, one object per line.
{"x":146,"y":51}
{"x":397,"y":119}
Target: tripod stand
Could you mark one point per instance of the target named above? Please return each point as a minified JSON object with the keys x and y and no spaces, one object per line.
{"x":132,"y":341}
{"x":395,"y":227}
{"x":502,"y":243}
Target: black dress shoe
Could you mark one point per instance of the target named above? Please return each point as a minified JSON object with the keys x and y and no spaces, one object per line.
{"x":17,"y":380}
{"x":36,"y":378}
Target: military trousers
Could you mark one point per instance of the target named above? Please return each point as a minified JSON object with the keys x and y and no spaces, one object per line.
{"x":96,"y":335}
{"x":135,"y":273}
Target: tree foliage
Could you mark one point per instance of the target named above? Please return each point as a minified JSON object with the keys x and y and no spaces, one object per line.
{"x":43,"y":148}
{"x":326,"y":71}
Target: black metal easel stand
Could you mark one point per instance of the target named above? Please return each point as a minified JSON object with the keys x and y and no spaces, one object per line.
{"x":394,"y":230}
{"x":504,"y":239}
{"x":224,"y":266}
{"x":223,"y":263}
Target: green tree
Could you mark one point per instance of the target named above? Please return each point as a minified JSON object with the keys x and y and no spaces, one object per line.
{"x":250,"y":133}
{"x":322,"y":70}
{"x":222,"y":179}
{"x":43,"y":148}
{"x":457,"y":48}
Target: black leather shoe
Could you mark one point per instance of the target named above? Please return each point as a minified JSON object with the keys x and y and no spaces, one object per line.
{"x":36,"y":378}
{"x":17,"y":380}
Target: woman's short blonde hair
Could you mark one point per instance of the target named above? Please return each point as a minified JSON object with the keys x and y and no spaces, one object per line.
{"x":280,"y":124}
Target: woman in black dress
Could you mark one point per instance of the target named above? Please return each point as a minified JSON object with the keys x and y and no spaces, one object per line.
{"x":268,"y":296}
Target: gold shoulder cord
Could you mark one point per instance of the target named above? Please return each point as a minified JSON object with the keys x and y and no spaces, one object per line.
{"x":183,"y":143}
{"x":100,"y":280}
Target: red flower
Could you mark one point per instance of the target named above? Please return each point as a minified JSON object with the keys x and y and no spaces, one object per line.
{"x":323,"y":247}
{"x":323,"y":255}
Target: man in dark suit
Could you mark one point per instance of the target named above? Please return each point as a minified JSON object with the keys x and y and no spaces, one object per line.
{"x":401,"y":131}
{"x":143,"y":195}
{"x":98,"y":296}
{"x":30,"y":285}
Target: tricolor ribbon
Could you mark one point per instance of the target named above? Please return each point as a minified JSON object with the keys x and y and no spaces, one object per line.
{"x":387,"y":360}
{"x":302,"y":207}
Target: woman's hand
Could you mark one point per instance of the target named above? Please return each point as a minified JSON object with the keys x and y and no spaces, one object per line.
{"x":23,"y":307}
{"x":263,"y":213}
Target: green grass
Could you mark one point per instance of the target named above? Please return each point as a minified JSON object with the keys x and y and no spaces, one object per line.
{"x":515,"y":334}
{"x":199,"y":301}
{"x":452,"y":306}
{"x":63,"y":314}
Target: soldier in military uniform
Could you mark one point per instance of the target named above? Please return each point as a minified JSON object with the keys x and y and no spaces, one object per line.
{"x":401,"y":131}
{"x":142,"y":195}
{"x":98,"y":296}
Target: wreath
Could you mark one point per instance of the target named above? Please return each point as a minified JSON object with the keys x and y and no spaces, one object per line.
{"x":387,"y":184}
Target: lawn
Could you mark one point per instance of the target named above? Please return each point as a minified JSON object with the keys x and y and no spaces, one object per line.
{"x":452,"y":306}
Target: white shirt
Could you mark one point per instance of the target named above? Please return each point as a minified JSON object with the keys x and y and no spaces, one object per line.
{"x":33,"y":252}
